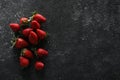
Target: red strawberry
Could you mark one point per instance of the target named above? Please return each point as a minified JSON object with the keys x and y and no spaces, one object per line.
{"x":24,"y":62}
{"x":26,"y":31}
{"x":35,"y":24}
{"x":33,"y":38}
{"x":39,"y":65}
{"x":41,"y":52}
{"x":41,"y":34}
{"x":15,"y":27}
{"x":23,"y":20}
{"x":20,"y":43}
{"x":27,"y":53}
{"x":39,"y":18}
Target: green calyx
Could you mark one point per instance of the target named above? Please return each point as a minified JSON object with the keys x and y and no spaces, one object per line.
{"x":35,"y":12}
{"x":22,"y":52}
{"x":13,"y":42}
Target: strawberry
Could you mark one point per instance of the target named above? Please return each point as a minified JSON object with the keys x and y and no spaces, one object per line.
{"x":26,"y":31}
{"x":20,"y":43}
{"x":35,"y":24}
{"x":23,"y":20}
{"x":39,"y":65}
{"x":33,"y":38}
{"x":39,"y":18}
{"x":41,"y":52}
{"x":24,"y":62}
{"x":27,"y":53}
{"x":41,"y":34}
{"x":15,"y":27}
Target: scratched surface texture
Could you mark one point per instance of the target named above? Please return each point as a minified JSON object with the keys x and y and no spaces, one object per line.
{"x":83,"y":43}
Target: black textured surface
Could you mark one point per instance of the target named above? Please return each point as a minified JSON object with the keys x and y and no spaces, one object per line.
{"x":84,"y":42}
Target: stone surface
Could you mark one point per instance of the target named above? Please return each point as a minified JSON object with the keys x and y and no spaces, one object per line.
{"x":84,"y":41}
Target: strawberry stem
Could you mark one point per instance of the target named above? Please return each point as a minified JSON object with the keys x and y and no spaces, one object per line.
{"x":13,"y":44}
{"x":35,"y":12}
{"x":13,"y":41}
{"x":30,"y":18}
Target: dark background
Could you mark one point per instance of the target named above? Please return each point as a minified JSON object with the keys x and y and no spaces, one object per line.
{"x":83,"y":43}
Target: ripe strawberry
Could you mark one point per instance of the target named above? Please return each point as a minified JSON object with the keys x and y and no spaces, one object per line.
{"x":23,"y":20}
{"x":41,"y":34}
{"x":35,"y":24}
{"x":20,"y":43}
{"x":24,"y":62}
{"x":27,"y":53}
{"x":26,"y":31}
{"x":41,"y":52}
{"x":15,"y":27}
{"x":39,"y":18}
{"x":33,"y":38}
{"x":39,"y":65}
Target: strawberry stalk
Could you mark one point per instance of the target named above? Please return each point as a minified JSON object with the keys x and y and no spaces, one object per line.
{"x":35,"y":12}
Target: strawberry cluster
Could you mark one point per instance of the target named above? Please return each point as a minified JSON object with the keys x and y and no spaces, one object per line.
{"x":28,"y":35}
